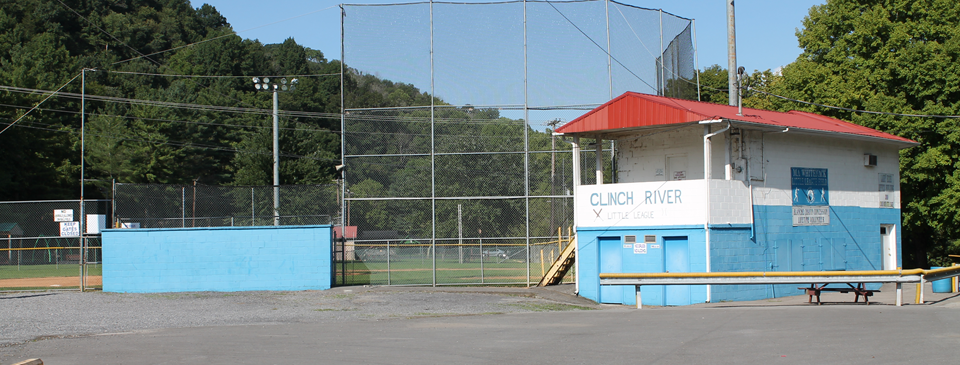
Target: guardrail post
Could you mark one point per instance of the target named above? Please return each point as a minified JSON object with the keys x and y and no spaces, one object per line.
{"x":921,"y":289}
{"x":639,"y":305}
{"x":899,"y":294}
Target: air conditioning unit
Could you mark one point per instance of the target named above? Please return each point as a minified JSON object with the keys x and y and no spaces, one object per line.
{"x":869,"y":160}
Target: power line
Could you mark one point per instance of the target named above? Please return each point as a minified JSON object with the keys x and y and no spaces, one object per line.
{"x":214,"y":76}
{"x":168,"y":142}
{"x":858,"y":110}
{"x":165,"y":104}
{"x":172,"y":120}
{"x":52,"y":93}
{"x":610,"y":55}
{"x":223,"y":36}
{"x":108,"y":33}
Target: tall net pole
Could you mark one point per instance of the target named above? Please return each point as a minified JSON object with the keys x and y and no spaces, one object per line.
{"x":433,"y":157}
{"x":343,"y":153}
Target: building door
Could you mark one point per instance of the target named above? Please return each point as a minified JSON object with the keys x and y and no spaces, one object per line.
{"x":676,"y":259}
{"x":888,"y":238}
{"x":611,"y":261}
{"x":676,"y":167}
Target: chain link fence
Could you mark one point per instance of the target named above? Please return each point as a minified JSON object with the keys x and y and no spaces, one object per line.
{"x":456,"y":177}
{"x":41,"y":246}
{"x":179,"y":206}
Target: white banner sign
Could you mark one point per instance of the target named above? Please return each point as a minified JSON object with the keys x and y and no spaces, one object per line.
{"x":811,"y":216}
{"x":667,"y":203}
{"x":63,"y":215}
{"x":69,"y":229}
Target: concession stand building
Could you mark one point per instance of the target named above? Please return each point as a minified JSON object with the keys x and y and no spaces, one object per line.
{"x":702,"y":187}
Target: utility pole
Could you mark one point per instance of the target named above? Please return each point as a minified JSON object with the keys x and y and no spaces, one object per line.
{"x":83,"y":121}
{"x":732,"y":55}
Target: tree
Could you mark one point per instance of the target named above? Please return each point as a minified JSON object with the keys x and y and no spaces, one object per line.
{"x":897,"y":56}
{"x":713,"y":85}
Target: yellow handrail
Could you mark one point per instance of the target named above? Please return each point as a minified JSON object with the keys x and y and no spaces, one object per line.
{"x":749,"y":274}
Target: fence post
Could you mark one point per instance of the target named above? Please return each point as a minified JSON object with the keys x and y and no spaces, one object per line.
{"x":183,"y":207}
{"x":253,"y":208}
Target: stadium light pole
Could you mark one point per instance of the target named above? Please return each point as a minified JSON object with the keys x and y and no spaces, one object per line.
{"x":264,"y":84}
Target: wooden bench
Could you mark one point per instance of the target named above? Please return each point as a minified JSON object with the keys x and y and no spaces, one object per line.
{"x":859,"y":291}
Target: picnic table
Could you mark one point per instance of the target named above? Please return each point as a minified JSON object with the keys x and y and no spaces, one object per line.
{"x":859,"y":291}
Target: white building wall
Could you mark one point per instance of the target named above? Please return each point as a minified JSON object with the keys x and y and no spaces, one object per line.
{"x":647,"y":158}
{"x":850,"y":182}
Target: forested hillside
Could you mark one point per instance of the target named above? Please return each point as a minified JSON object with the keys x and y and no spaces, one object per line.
{"x":143,"y":125}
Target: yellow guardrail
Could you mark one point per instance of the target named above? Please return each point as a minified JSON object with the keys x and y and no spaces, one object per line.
{"x":930,"y":275}
{"x":764,"y":278}
{"x":762,"y":274}
{"x":46,"y":248}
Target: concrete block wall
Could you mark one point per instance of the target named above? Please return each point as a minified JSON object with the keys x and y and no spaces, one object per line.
{"x":588,"y":252}
{"x":729,"y":202}
{"x":850,"y":182}
{"x":640,"y":157}
{"x":217,"y":259}
{"x":851,"y":242}
{"x":732,"y":250}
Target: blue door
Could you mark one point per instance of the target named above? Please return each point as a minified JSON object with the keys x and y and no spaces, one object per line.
{"x":676,"y":259}
{"x":611,"y":260}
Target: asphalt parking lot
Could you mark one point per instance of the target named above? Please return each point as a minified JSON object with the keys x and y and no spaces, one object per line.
{"x":505,"y":325}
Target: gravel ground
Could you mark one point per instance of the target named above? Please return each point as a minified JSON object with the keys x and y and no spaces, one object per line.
{"x":30,"y":316}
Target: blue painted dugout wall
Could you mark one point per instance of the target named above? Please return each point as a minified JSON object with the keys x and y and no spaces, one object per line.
{"x":653,"y":261}
{"x":852,"y":241}
{"x":217,"y":259}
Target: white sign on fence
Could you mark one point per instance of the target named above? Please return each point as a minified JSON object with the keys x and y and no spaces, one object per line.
{"x":96,"y":223}
{"x":69,"y":229}
{"x":63,"y":215}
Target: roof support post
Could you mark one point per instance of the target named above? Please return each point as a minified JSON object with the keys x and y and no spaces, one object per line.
{"x":707,"y":153}
{"x":576,"y":186}
{"x":599,"y":172}
{"x":727,"y":163}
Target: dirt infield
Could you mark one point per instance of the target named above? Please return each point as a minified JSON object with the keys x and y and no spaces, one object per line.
{"x":69,"y":281}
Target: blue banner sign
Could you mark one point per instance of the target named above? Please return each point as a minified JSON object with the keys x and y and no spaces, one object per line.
{"x":809,"y":186}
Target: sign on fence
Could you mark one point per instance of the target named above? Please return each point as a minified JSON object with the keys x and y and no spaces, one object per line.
{"x":63,"y":215}
{"x":69,"y":229}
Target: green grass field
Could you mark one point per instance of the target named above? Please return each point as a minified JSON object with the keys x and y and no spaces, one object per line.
{"x":46,"y":271}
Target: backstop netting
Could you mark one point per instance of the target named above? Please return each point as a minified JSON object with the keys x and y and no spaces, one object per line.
{"x":456,"y":178}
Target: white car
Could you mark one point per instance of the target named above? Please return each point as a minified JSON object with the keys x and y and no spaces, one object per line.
{"x":495,"y":253}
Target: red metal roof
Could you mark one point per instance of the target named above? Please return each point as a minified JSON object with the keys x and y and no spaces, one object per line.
{"x":635,"y":110}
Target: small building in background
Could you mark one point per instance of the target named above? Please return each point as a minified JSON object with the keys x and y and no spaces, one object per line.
{"x":701,"y":187}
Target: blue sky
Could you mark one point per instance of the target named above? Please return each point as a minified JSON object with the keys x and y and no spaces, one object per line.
{"x":765,"y":29}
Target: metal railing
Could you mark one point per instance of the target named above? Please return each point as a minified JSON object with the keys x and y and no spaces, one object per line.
{"x":783,"y":277}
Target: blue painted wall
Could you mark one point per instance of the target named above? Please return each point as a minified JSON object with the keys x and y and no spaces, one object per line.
{"x":588,"y":253}
{"x":217,"y":259}
{"x":851,"y":242}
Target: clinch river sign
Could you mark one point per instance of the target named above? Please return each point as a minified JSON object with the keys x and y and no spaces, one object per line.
{"x":641,"y":204}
